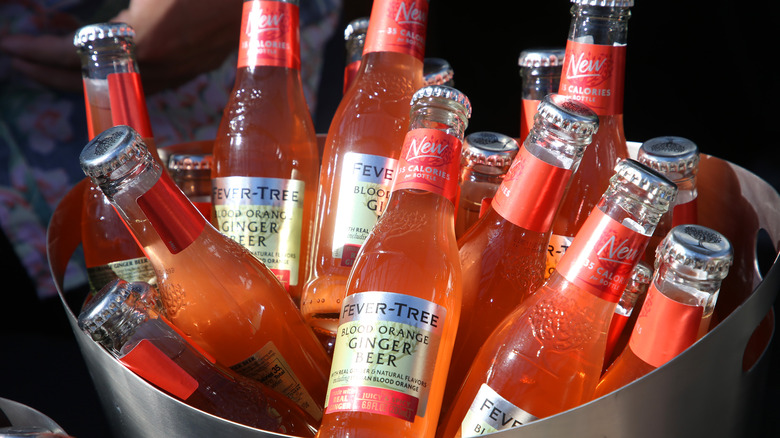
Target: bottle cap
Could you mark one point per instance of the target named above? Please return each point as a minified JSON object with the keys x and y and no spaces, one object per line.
{"x":356,"y":27}
{"x":99,"y":31}
{"x":676,"y":157}
{"x":113,"y":305}
{"x":437,"y":71}
{"x":568,"y":115}
{"x":443,"y":92}
{"x":542,"y":57}
{"x":656,"y":187}
{"x":606,"y":3}
{"x":188,"y":162}
{"x":489,"y":149}
{"x":696,"y":251}
{"x":113,"y":153}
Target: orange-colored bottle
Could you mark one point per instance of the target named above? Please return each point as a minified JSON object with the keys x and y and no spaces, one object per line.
{"x":266,"y":162}
{"x":540,"y":73}
{"x":678,"y":159}
{"x":503,"y":254}
{"x":485,"y":160}
{"x":692,"y":262}
{"x":354,"y":41}
{"x":635,"y":289}
{"x":113,"y":95}
{"x":361,"y":152}
{"x":399,"y":318}
{"x":212,"y":288}
{"x":547,"y":355}
{"x":593,"y":72}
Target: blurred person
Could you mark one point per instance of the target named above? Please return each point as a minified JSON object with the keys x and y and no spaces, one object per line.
{"x":187,"y":55}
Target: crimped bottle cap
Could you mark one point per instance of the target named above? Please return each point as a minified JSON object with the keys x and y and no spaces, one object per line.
{"x":568,"y":115}
{"x":437,"y":71}
{"x":541,"y":57}
{"x":670,"y":155}
{"x":607,"y":3}
{"x":185,"y":162}
{"x":113,"y":299}
{"x":656,"y":187}
{"x":696,"y":251}
{"x":356,"y":27}
{"x":444,"y":92}
{"x":99,"y":31}
{"x":489,"y":149}
{"x":113,"y":152}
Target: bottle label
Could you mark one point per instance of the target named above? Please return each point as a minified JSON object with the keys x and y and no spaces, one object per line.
{"x":171,"y":214}
{"x":398,"y":26}
{"x":556,"y":248}
{"x":128,"y":104}
{"x":365,"y":186}
{"x":529,"y":107}
{"x":430,"y":161}
{"x":685,"y":213}
{"x":594,"y":74}
{"x":269,"y":35}
{"x":489,"y":412}
{"x":148,"y":362}
{"x":602,"y":256}
{"x":664,"y":328}
{"x":530,"y":192}
{"x":265,"y":215}
{"x":385,"y":353}
{"x":130,"y":270}
{"x":269,"y":367}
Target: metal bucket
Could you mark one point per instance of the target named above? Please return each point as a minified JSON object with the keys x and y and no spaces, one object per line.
{"x":707,"y":391}
{"x":21,"y":417}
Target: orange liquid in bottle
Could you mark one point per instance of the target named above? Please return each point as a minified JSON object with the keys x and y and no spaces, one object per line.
{"x":367,"y":132}
{"x":266,"y":143}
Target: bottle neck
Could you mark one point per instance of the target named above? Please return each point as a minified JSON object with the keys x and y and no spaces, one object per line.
{"x":260,"y":48}
{"x":602,"y":25}
{"x":390,"y":20}
{"x":103,"y":57}
{"x":539,"y":81}
{"x":155,"y":209}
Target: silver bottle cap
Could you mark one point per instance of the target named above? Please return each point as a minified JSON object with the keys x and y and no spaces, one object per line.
{"x":542,"y":57}
{"x":113,"y":303}
{"x":696,"y":251}
{"x":188,"y":162}
{"x":656,"y":187}
{"x":606,"y":3}
{"x":437,"y":71}
{"x":98,"y":31}
{"x":356,"y":27}
{"x":569,"y":115}
{"x":113,"y":153}
{"x":676,"y":157}
{"x":489,"y":149}
{"x":443,"y":92}
{"x":642,"y":273}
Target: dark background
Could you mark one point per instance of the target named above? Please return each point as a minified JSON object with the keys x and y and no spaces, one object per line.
{"x":701,"y":70}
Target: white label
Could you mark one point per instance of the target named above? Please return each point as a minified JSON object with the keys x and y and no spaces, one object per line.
{"x":555,"y":250}
{"x":489,"y":412}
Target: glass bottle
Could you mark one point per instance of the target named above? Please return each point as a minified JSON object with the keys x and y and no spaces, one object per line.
{"x":354,"y":40}
{"x":266,"y":160}
{"x":361,"y":152}
{"x":691,"y":263}
{"x":503,"y":254}
{"x":401,"y":310}
{"x":546,"y":356}
{"x":437,"y":71}
{"x":678,"y":159}
{"x":192,"y":173}
{"x":540,"y":75}
{"x":635,"y":289}
{"x":125,"y":319}
{"x":484,"y":162}
{"x":113,"y":95}
{"x":213,"y":289}
{"x":593,"y":72}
